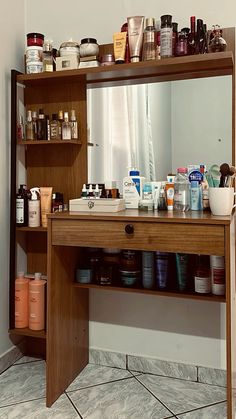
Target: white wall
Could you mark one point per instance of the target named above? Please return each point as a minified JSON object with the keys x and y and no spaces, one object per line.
{"x":12,"y":49}
{"x":166,"y":328}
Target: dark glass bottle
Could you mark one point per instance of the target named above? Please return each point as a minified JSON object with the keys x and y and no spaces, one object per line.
{"x":124,"y":28}
{"x":200,"y":37}
{"x":202,"y":276}
{"x":41,"y":125}
{"x":192,"y":36}
{"x":21,"y":207}
{"x":174,"y":37}
{"x":182,"y":44}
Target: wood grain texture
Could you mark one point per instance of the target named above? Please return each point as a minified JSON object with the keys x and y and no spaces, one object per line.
{"x":183,"y":238}
{"x":67,"y":321}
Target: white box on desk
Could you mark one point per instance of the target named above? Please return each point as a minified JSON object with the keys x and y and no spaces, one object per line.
{"x":97,"y":205}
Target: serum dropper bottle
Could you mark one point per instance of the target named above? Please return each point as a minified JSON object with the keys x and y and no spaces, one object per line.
{"x":66,"y":127}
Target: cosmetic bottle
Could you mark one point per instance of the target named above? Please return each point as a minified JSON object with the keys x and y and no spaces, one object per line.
{"x":54,"y":127}
{"x":47,"y":128}
{"x":84,"y":192}
{"x":161,"y":262}
{"x":192,"y":36}
{"x":34,"y":208}
{"x":35,"y":124}
{"x":90,"y":192}
{"x":22,"y":207}
{"x":181,"y":190}
{"x":60,"y":121}
{"x":21,"y":301}
{"x":217,"y":274}
{"x":166,"y":36}
{"x":47,"y":57}
{"x":41,"y":126}
{"x":74,"y":125}
{"x":97,"y":192}
{"x":148,"y":270}
{"x":196,"y":196}
{"x":149,"y":41}
{"x":37,"y":303}
{"x":174,"y":37}
{"x":20,"y":129}
{"x":162,"y":199}
{"x":66,"y":128}
{"x":217,"y":43}
{"x":202,"y":276}
{"x":181,"y":45}
{"x":182,"y":260}
{"x":29,"y":126}
{"x":124,"y":28}
{"x":200,"y":37}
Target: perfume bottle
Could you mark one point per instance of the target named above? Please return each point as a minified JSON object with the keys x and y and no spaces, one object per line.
{"x":66,"y":127}
{"x":47,"y":56}
{"x":192,"y":36}
{"x":54,"y":127}
{"x":20,"y":129}
{"x":41,"y":134}
{"x":149,"y":41}
{"x":74,"y":125}
{"x":217,"y":43}
{"x":29,"y":126}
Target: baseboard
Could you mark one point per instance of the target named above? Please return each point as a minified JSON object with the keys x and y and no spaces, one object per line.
{"x":9,"y":357}
{"x":156,"y":366}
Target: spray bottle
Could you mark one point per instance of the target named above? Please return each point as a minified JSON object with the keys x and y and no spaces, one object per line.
{"x":34,"y":208}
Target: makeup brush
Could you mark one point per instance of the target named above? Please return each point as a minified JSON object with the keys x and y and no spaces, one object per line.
{"x":225,"y":171}
{"x":230,"y":177}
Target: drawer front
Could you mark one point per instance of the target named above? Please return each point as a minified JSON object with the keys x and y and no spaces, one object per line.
{"x":170,"y":237}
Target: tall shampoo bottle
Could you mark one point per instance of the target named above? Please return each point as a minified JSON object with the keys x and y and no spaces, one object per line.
{"x":34,"y":208}
{"x":37,"y":303}
{"x":21,"y":301}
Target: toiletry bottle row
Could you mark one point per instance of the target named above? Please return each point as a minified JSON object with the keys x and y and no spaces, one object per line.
{"x":30,"y":302}
{"x":165,"y":271}
{"x":40,"y":127}
{"x":33,"y":205}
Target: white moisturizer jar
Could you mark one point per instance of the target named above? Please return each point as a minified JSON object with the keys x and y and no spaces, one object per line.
{"x":89,"y":47}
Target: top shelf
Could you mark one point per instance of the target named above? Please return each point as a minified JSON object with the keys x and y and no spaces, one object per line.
{"x":168,"y":69}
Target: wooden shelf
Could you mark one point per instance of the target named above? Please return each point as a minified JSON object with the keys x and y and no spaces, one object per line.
{"x":32,"y":229}
{"x":212,"y":298}
{"x":175,"y":68}
{"x":41,"y":142}
{"x":27,"y":332}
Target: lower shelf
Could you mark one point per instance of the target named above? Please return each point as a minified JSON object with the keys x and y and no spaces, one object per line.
{"x":208,"y":297}
{"x":28,"y":332}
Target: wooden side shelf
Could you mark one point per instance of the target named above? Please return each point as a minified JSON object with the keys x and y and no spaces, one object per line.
{"x":28,"y":332}
{"x":212,"y":298}
{"x":41,"y":142}
{"x":32,"y":229}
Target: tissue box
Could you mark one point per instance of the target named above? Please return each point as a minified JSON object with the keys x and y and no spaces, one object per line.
{"x":97,"y":205}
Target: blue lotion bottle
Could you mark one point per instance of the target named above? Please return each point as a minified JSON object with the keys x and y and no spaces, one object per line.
{"x":196,"y":196}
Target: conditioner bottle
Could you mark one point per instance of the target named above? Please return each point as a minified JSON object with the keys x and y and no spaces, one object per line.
{"x":37,"y":303}
{"x":21,"y":301}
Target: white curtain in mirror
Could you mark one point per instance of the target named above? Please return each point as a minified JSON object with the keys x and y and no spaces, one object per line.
{"x":120,"y":129}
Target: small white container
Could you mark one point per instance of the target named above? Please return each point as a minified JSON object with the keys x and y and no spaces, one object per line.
{"x":34,"y":67}
{"x":89,"y":47}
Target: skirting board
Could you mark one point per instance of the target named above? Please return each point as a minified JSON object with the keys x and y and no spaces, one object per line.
{"x":158,"y":367}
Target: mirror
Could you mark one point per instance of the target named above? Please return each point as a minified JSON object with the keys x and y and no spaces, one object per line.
{"x":159,"y":127}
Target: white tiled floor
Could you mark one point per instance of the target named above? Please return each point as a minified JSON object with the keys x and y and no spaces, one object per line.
{"x":107,"y":393}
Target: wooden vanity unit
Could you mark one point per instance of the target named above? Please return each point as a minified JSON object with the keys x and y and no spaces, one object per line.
{"x":55,"y":251}
{"x":68,"y":301}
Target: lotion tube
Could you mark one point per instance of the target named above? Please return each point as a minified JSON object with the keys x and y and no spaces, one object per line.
{"x":119,"y":41}
{"x":46,"y":203}
{"x":135,"y":35}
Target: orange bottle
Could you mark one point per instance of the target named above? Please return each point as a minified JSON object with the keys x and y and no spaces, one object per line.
{"x":21,"y":301}
{"x":37,"y":303}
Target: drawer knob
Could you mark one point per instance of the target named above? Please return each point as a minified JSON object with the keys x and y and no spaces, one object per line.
{"x":129,"y":229}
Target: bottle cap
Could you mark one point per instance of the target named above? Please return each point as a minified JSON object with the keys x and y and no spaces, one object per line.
{"x":37,"y":275}
{"x":73,"y":117}
{"x":34,"y":194}
{"x":20,"y":274}
{"x":54,"y":116}
{"x":182,"y":170}
{"x":149,"y":21}
{"x":166,"y":20}
{"x":88,"y":41}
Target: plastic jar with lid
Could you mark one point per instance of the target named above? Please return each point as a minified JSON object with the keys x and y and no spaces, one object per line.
{"x":89,"y":47}
{"x":35,"y":39}
{"x":130,"y":268}
{"x":69,"y":48}
{"x":107,"y":59}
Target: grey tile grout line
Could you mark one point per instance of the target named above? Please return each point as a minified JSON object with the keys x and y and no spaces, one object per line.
{"x":163,"y":404}
{"x":27,"y":362}
{"x":100,"y":384}
{"x":202,"y":407}
{"x":22,"y":401}
{"x":15,"y":365}
{"x":68,"y":397}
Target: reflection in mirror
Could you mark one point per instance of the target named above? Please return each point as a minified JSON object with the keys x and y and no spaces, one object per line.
{"x":159,"y":127}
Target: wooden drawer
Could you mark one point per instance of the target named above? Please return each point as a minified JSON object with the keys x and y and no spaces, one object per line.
{"x":170,"y":237}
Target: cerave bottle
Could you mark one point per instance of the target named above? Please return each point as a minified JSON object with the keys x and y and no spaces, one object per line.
{"x":21,"y":301}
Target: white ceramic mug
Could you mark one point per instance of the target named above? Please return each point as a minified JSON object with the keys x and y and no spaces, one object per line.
{"x":221,"y":200}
